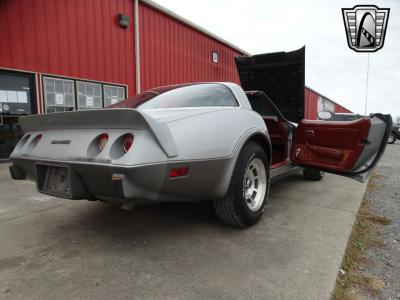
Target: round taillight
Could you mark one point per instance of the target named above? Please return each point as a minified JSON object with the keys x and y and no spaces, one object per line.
{"x":103,"y":139}
{"x":128,"y":142}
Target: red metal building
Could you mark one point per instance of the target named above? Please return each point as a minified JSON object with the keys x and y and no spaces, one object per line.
{"x":82,"y":54}
{"x":315,"y":102}
{"x":82,"y":40}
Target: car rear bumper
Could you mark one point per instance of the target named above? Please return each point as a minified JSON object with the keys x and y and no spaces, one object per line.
{"x":99,"y":181}
{"x":206,"y":180}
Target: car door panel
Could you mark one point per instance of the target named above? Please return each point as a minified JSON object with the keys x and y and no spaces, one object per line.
{"x":341,"y":147}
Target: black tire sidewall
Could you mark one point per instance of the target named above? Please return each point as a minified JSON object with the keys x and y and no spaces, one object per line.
{"x":394,"y":138}
{"x":249,"y":152}
{"x":313,"y":174}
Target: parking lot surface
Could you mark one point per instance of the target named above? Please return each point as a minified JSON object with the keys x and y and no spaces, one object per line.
{"x":60,"y":249}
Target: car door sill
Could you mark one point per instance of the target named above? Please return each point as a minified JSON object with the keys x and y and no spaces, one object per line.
{"x":284,"y":171}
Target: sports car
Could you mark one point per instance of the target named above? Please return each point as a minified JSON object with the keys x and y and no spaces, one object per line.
{"x":198,"y":141}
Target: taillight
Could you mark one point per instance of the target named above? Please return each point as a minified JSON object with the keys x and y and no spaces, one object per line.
{"x":103,"y":139}
{"x":128,"y":142}
{"x":179,"y":172}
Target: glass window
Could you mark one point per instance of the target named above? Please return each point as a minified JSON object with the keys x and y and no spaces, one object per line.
{"x":329,"y":106}
{"x":89,"y":95}
{"x":59,"y":94}
{"x":325,"y":105}
{"x":261,"y":105}
{"x":192,"y":96}
{"x":113,"y":94}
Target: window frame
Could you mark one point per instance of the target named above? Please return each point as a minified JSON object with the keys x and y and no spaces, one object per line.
{"x":77,"y":82}
{"x":104,"y":93}
{"x":45,"y":92}
{"x":43,"y":76}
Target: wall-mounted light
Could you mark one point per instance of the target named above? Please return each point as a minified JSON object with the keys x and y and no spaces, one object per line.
{"x":214,"y":57}
{"x":124,"y":21}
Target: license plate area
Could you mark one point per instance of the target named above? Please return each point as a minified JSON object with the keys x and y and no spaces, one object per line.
{"x":54,"y":180}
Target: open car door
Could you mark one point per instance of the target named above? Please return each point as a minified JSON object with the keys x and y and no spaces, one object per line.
{"x":349,"y":148}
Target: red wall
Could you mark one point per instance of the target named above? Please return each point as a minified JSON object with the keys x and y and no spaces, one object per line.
{"x":75,"y":38}
{"x":341,"y":109}
{"x":173,"y":52}
{"x":311,"y":105}
{"x":81,"y":39}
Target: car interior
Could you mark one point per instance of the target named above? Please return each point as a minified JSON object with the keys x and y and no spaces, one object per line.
{"x":277,"y":128}
{"x":334,"y":145}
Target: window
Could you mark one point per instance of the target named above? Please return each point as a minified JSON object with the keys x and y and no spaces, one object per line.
{"x":325,"y":105}
{"x":214,"y":57}
{"x":261,"y":105}
{"x":192,"y":96}
{"x":89,"y":95}
{"x":17,"y":93}
{"x":113,"y":94}
{"x":59,"y":94}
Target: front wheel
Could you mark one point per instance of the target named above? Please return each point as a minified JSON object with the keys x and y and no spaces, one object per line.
{"x":245,"y":201}
{"x":391,"y":138}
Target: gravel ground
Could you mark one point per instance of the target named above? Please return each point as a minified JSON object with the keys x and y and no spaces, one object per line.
{"x":386,"y":199}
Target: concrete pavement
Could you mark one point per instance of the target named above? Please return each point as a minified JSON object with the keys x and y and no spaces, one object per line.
{"x":52,"y":248}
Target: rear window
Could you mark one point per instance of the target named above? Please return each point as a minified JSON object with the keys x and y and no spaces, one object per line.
{"x":192,"y":96}
{"x":198,"y":95}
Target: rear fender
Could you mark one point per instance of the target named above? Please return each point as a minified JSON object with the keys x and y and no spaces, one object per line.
{"x":255,"y":135}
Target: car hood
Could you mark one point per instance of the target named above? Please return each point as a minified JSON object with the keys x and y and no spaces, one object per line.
{"x":280,"y":75}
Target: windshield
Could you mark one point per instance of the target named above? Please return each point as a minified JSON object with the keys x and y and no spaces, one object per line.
{"x":198,"y":95}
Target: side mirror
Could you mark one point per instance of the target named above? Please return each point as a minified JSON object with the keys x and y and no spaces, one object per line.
{"x":324,"y":115}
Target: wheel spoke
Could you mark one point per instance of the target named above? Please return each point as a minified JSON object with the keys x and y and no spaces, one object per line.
{"x":255,"y":184}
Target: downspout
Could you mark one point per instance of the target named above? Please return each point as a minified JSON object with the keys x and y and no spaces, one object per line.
{"x":309,"y":104}
{"x":137,"y":46}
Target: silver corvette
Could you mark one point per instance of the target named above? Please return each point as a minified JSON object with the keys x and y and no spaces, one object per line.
{"x":194,"y":142}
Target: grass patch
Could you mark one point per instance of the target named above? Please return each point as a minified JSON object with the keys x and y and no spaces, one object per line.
{"x":372,"y":182}
{"x":364,"y":235}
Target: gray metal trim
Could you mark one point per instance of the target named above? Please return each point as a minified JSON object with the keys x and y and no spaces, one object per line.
{"x":137,"y":46}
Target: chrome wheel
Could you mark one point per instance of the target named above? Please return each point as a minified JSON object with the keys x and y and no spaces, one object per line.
{"x":255,"y":184}
{"x":391,"y":138}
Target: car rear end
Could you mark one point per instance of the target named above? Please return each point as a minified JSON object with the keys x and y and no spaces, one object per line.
{"x":107,"y":154}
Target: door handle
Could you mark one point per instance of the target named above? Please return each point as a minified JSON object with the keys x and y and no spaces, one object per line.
{"x":309,"y":133}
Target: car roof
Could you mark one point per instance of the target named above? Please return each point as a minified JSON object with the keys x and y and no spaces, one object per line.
{"x":166,"y":88}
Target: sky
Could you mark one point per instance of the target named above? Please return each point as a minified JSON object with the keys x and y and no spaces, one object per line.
{"x":332,"y":68}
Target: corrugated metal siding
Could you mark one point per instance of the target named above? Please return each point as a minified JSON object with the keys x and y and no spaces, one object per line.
{"x":311,"y":105}
{"x":75,"y":38}
{"x":81,"y":38}
{"x":172,"y":52}
{"x":341,"y":109}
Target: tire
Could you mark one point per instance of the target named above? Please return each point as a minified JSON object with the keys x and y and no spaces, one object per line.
{"x":392,"y":138}
{"x":313,"y":174}
{"x":245,"y":201}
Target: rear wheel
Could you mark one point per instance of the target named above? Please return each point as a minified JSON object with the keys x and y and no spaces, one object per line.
{"x":313,"y":174}
{"x":391,"y":138}
{"x":245,"y":201}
